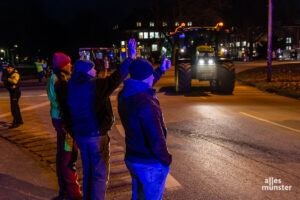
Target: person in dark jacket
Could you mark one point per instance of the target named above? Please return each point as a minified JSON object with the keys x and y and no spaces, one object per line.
{"x":147,"y":156}
{"x":13,"y":86}
{"x":92,"y":117}
{"x":66,"y":147}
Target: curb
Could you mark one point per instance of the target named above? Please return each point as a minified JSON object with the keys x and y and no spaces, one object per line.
{"x":269,"y":90}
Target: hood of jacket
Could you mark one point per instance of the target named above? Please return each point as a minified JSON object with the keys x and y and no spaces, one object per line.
{"x":80,"y":77}
{"x":132,"y":87}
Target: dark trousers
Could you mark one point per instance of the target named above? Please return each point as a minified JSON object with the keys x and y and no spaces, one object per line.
{"x":65,"y":171}
{"x":95,"y":162}
{"x":14,"y":106}
{"x":41,"y":74}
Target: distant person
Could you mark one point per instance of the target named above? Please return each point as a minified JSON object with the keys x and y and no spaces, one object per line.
{"x":4,"y":74}
{"x":65,"y":163}
{"x":39,"y":69}
{"x":147,"y":156}
{"x":45,"y":69}
{"x":274,"y":55}
{"x":92,"y":118}
{"x":1,"y":71}
{"x":106,"y":65}
{"x":98,"y":63}
{"x":13,"y":86}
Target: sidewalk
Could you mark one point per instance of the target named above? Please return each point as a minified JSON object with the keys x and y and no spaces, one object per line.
{"x":22,"y":177}
{"x":37,"y":137}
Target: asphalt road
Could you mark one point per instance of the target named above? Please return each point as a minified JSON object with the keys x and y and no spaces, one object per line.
{"x":224,"y":146}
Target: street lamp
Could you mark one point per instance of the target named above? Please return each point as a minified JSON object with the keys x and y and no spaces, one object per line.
{"x":269,"y":78}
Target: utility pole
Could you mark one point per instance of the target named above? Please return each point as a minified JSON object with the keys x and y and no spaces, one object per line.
{"x":269,"y":79}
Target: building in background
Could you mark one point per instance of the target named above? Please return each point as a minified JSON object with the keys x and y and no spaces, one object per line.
{"x":149,"y":36}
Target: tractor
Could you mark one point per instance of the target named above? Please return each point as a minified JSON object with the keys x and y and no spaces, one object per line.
{"x":200,"y":53}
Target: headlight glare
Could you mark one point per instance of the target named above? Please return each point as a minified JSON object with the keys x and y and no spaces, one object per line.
{"x":201,"y":62}
{"x":211,"y":62}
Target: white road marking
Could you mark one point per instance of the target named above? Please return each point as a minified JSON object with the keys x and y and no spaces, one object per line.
{"x":113,"y":98}
{"x":26,"y":96}
{"x":171,"y":182}
{"x":273,"y":123}
{"x":118,"y":89}
{"x":121,"y":130}
{"x":27,"y":108}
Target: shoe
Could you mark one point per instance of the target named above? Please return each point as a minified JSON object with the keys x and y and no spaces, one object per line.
{"x":21,"y":123}
{"x":13,"y":126}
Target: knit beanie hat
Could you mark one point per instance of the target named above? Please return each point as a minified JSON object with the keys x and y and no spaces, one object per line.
{"x":141,"y":69}
{"x":84,"y":65}
{"x":60,"y":60}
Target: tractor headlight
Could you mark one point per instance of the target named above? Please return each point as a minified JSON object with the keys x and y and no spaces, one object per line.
{"x":201,"y":62}
{"x":211,"y":62}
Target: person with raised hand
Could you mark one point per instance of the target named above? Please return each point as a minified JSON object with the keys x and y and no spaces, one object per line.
{"x":92,"y":117}
{"x":147,"y":156}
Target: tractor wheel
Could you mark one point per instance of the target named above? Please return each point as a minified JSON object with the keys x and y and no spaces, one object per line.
{"x":183,"y":77}
{"x":224,"y":84}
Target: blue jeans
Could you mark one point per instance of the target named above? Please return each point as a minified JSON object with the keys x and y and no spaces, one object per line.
{"x":95,"y":162}
{"x":148,"y":180}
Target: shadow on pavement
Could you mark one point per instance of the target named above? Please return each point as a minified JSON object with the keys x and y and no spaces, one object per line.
{"x":12,"y":188}
{"x":195,"y":92}
{"x":4,"y":124}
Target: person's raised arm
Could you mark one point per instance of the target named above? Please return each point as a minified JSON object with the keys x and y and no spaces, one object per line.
{"x":166,"y":64}
{"x":105,"y":87}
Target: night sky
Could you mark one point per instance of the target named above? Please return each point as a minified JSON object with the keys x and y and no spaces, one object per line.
{"x":53,"y":25}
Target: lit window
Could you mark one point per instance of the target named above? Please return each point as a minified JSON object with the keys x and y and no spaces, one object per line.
{"x":146,"y":35}
{"x":138,"y":24}
{"x":141,"y":35}
{"x":244,"y":43}
{"x":157,"y":35}
{"x":162,"y":35}
{"x":289,"y":40}
{"x":248,"y":45}
{"x":151,"y":24}
{"x":151,"y":35}
{"x":164,"y":24}
{"x":238,"y":44}
{"x":288,"y":47}
{"x":154,"y":47}
{"x":115,"y":27}
{"x":189,"y":24}
{"x":122,"y":43}
{"x":176,"y":24}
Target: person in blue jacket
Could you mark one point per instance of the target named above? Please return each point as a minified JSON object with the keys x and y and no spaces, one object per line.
{"x":147,"y":156}
{"x":92,"y":117}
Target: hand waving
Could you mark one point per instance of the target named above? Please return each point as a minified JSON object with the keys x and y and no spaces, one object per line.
{"x":166,"y":64}
{"x":132,"y":48}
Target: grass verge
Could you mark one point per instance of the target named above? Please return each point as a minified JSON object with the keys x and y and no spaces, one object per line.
{"x":285,"y":79}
